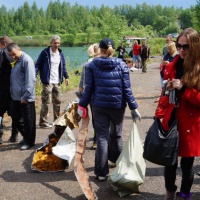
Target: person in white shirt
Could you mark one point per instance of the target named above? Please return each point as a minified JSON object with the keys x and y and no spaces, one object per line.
{"x":52,"y":68}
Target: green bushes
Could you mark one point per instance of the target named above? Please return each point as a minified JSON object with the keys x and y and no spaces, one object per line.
{"x":156,"y":45}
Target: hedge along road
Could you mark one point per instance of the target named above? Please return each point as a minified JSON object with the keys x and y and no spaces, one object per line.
{"x":19,"y":182}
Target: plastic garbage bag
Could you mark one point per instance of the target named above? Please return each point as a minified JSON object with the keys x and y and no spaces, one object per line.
{"x":44,"y":160}
{"x":66,"y":146}
{"x":130,"y":168}
{"x":58,"y":150}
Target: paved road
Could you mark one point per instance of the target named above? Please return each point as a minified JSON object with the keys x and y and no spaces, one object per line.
{"x":19,"y":182}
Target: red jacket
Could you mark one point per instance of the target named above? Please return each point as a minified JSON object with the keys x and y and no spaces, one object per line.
{"x":188,"y":115}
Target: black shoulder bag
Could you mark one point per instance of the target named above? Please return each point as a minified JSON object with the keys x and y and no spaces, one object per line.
{"x":160,"y":146}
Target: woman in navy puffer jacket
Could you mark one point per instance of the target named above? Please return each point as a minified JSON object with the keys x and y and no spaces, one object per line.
{"x":108,"y":84}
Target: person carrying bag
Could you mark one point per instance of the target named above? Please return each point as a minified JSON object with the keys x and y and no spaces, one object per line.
{"x":183,"y":75}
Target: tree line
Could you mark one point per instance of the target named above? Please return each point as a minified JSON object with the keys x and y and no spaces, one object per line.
{"x":63,"y":18}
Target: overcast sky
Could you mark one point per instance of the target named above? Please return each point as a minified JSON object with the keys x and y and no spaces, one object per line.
{"x":111,"y":3}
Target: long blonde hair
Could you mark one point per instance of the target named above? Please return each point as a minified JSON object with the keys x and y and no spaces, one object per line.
{"x":108,"y":52}
{"x":191,"y":64}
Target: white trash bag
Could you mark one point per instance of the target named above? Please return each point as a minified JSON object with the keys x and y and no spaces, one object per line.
{"x":130,"y":168}
{"x":66,"y":146}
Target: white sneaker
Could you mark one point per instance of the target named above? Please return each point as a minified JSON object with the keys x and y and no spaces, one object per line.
{"x":101,"y":178}
{"x":111,"y":164}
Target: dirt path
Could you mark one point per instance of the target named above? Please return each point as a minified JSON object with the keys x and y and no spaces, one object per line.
{"x":19,"y":182}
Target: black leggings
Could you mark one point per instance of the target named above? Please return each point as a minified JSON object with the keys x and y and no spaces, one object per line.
{"x":187,"y":175}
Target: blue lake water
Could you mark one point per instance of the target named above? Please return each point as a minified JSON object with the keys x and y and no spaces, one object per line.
{"x":75,"y":56}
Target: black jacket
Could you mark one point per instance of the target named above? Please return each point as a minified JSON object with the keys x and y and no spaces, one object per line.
{"x":5,"y":70}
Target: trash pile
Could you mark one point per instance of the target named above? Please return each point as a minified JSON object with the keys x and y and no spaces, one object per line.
{"x":59,"y":148}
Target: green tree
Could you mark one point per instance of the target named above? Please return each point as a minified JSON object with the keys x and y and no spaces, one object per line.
{"x":172,"y":27}
{"x":160,"y":23}
{"x":197,"y":16}
{"x":111,"y":25}
{"x":95,"y":23}
{"x":185,"y":18}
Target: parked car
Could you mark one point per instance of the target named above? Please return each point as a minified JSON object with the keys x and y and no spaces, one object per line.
{"x":174,"y":35}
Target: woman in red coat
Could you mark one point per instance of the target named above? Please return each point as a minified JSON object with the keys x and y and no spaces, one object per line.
{"x":183,"y":75}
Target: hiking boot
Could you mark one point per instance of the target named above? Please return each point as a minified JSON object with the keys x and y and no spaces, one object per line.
{"x":169,"y":195}
{"x":182,"y":196}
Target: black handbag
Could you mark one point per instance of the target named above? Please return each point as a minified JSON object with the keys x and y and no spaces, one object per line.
{"x":160,"y":146}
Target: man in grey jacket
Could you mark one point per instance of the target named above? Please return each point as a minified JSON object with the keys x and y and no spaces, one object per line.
{"x":22,"y":89}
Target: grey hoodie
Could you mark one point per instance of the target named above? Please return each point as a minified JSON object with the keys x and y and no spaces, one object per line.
{"x":22,"y":80}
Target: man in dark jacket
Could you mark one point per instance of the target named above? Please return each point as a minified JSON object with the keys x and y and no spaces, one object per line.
{"x":5,"y":98}
{"x":121,"y":49}
{"x":51,"y":65}
{"x":145,"y":52}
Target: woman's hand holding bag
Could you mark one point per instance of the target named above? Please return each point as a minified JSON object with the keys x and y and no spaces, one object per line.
{"x":136,"y":115}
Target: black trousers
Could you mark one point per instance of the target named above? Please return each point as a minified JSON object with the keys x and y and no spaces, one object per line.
{"x":24,"y":118}
{"x":5,"y":100}
{"x":187,"y":175}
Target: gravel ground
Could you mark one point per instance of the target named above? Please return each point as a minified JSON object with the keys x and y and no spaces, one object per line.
{"x":19,"y":182}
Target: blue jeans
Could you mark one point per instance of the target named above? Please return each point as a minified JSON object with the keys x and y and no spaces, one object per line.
{"x":108,"y":128}
{"x":136,"y":58}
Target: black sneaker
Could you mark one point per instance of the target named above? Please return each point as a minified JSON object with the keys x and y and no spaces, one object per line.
{"x":21,"y":141}
{"x":13,"y":138}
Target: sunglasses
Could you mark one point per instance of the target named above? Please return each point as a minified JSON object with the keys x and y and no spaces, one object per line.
{"x":185,"y":47}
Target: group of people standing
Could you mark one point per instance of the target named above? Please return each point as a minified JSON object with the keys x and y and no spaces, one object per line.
{"x":109,"y":91}
{"x":107,"y":88}
{"x":18,"y":75}
{"x":139,"y":54}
